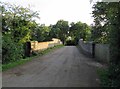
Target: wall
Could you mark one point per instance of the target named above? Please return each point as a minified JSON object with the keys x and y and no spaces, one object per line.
{"x":99,"y":51}
{"x":102,"y":52}
{"x":35,"y":45}
{"x":86,"y":47}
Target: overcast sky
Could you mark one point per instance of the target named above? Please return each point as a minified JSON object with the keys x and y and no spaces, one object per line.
{"x":53,"y":10}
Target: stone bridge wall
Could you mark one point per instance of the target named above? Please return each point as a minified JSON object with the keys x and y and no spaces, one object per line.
{"x":102,"y":52}
{"x":36,"y":46}
{"x":86,"y":47}
{"x":98,"y":51}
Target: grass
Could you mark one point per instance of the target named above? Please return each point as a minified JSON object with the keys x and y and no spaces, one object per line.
{"x":15,"y":63}
{"x":23,"y":61}
{"x":49,"y":50}
{"x":103,"y":75}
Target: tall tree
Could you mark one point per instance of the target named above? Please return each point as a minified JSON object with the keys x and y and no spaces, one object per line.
{"x":63,"y":26}
{"x":100,"y":30}
{"x":80,"y":30}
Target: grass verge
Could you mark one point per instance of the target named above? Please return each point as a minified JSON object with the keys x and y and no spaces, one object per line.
{"x":23,"y":61}
{"x":103,"y":75}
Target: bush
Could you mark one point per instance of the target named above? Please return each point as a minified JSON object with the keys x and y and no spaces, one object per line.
{"x":103,"y":75}
{"x":110,"y":77}
{"x":71,"y":42}
{"x":11,"y":51}
{"x":114,"y":75}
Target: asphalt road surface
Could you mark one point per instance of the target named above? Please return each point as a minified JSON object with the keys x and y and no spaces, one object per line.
{"x":64,"y":67}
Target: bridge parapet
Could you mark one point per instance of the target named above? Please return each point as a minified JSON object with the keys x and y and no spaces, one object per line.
{"x":37,"y":46}
{"x":98,"y":51}
{"x":86,"y":47}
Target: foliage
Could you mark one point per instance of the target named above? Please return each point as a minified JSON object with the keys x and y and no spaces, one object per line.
{"x":60,"y":29}
{"x":11,"y":51}
{"x":70,"y":42}
{"x":109,"y":14}
{"x":54,"y":32}
{"x":41,"y":33}
{"x":16,"y":30}
{"x":15,"y":21}
{"x":23,"y":61}
{"x":114,"y":18}
{"x":100,"y":30}
{"x":103,"y":75}
{"x":80,"y":30}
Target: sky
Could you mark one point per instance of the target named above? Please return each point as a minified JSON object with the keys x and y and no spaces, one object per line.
{"x":50,"y":11}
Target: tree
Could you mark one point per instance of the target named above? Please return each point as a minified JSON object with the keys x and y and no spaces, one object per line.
{"x":63,"y":27}
{"x":109,"y":14}
{"x":100,"y":30}
{"x":80,"y":30}
{"x":15,"y":21}
{"x":114,"y":26}
{"x":15,"y":30}
{"x":54,"y":33}
{"x":41,"y":33}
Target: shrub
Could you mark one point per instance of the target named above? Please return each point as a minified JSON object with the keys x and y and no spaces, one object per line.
{"x":11,"y":51}
{"x":71,"y":42}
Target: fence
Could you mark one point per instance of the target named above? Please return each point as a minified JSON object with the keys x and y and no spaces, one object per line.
{"x":99,"y":51}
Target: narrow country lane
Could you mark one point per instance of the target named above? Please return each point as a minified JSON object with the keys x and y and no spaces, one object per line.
{"x":64,"y":67}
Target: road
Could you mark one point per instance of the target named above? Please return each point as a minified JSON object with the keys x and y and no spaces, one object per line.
{"x":64,"y":67}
